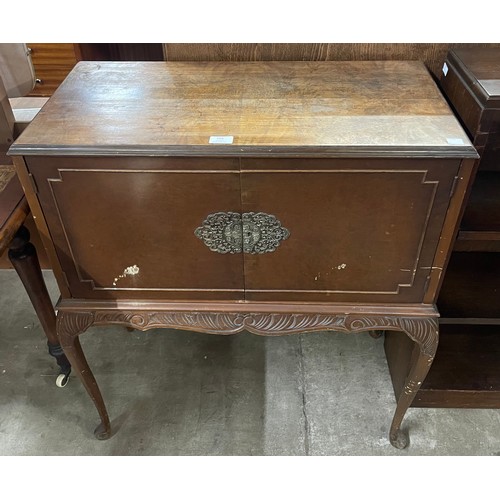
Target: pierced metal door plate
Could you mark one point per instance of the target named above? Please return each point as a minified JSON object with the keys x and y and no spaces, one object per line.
{"x":250,"y":232}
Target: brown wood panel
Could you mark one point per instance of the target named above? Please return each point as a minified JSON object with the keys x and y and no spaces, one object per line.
{"x":49,"y":77}
{"x":473,"y":92}
{"x":490,"y":156}
{"x":62,"y":54}
{"x":360,"y":230}
{"x":433,"y":54}
{"x":465,"y":105}
{"x":41,"y":224}
{"x":483,"y":208}
{"x":121,"y":51}
{"x":481,"y":241}
{"x":485,"y":68}
{"x":471,"y":288}
{"x":156,"y":205}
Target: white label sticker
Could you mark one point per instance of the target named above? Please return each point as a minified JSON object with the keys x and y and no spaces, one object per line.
{"x":455,"y":141}
{"x":445,"y":69}
{"x":221,"y":139}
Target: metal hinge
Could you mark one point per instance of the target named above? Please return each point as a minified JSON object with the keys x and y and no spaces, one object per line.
{"x":454,"y":186}
{"x":33,"y":183}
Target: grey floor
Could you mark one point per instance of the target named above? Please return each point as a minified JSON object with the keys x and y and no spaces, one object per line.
{"x":182,"y":393}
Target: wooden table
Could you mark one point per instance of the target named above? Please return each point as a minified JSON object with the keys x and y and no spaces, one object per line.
{"x":276,"y":197}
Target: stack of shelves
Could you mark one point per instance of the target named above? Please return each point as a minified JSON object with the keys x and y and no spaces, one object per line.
{"x":466,"y":370}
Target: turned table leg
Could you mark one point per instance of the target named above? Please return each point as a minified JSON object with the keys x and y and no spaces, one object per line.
{"x":23,"y":256}
{"x":69,"y":326}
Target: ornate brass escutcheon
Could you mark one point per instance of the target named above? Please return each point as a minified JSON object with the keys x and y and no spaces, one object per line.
{"x":250,"y":232}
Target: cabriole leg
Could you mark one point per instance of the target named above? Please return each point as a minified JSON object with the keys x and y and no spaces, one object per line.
{"x":425,"y":333}
{"x":69,"y":326}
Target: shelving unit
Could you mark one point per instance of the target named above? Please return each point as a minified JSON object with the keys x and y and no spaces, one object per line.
{"x":466,"y":370}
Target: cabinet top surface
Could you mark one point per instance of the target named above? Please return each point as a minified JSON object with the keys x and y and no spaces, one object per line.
{"x":482,"y":67}
{"x":264,"y":108}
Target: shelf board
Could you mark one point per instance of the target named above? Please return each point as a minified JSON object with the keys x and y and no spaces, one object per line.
{"x":471,"y":286}
{"x":465,"y":372}
{"x":477,"y":241}
{"x":479,"y":235}
{"x":483,"y":208}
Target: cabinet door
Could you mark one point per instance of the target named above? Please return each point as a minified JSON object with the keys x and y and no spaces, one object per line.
{"x":355,"y":230}
{"x":125,"y":227}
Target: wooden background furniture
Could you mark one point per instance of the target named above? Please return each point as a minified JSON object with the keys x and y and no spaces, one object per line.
{"x":14,"y":207}
{"x":54,"y":61}
{"x":23,"y":256}
{"x":466,"y":372}
{"x":432,"y":54}
{"x":274,"y":197}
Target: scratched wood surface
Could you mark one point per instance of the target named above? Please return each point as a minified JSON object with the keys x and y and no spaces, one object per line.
{"x":432,"y":54}
{"x":134,"y":107}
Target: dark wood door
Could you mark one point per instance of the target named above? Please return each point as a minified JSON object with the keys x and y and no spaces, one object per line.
{"x":126,"y":227}
{"x":359,"y":230}
{"x":351,"y":230}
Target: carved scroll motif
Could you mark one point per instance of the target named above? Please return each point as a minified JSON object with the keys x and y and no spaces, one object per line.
{"x":72,"y":323}
{"x":423,"y":330}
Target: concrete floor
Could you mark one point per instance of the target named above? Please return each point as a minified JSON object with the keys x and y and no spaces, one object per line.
{"x":183,"y":393}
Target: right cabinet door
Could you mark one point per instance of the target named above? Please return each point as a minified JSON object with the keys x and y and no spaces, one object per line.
{"x":342,"y":230}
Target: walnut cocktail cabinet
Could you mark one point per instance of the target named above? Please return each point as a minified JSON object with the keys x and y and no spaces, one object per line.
{"x":269,"y":197}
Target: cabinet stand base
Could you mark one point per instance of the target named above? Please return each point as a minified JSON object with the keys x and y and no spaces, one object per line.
{"x":422,"y":329}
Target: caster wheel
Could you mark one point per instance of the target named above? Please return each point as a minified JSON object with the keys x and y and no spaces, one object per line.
{"x":62,"y":380}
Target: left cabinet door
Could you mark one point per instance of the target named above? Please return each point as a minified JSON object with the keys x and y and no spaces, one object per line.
{"x":125,"y":227}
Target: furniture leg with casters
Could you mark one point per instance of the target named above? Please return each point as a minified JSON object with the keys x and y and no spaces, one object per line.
{"x":24,"y":259}
{"x":15,"y":113}
{"x":22,"y":254}
{"x":275,"y":198}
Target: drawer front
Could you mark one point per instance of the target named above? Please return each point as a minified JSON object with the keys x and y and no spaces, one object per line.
{"x":52,"y":63}
{"x":124,"y":228}
{"x":62,"y":54}
{"x":359,"y":230}
{"x":48,"y":79}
